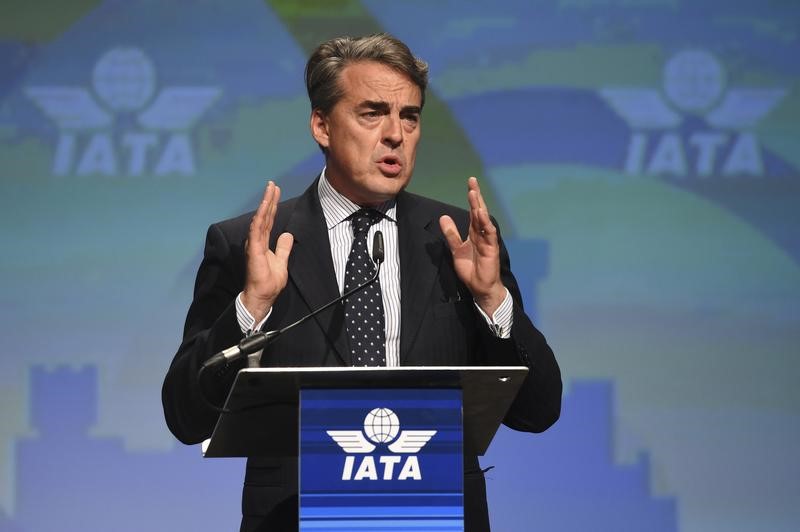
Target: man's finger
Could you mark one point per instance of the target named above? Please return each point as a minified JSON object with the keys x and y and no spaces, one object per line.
{"x":257,"y":224}
{"x":487,"y":232}
{"x":479,"y":222}
{"x":474,"y":199}
{"x":450,"y":231}
{"x":283,"y":247}
{"x":272,"y":208}
{"x":472,"y":184}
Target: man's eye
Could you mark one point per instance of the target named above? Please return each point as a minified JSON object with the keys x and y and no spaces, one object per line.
{"x":371,"y":114}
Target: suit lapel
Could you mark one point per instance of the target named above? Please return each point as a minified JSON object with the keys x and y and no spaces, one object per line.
{"x":421,"y":252}
{"x":311,"y":267}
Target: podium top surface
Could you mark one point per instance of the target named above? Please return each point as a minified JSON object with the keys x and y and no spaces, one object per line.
{"x":269,"y":397}
{"x":392,"y":377}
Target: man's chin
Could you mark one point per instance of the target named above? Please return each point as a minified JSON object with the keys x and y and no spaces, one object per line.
{"x":378,"y":195}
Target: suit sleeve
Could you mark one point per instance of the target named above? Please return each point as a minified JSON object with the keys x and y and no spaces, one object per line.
{"x":538,"y":403}
{"x":211,"y":326}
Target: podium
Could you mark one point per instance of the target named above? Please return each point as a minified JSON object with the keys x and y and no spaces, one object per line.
{"x":378,"y":448}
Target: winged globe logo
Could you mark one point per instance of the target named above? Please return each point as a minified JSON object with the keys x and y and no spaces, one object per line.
{"x":95,"y":134}
{"x":381,"y":428}
{"x":693,"y":86}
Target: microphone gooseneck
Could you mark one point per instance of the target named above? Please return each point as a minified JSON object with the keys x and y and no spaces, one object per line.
{"x":259,"y":340}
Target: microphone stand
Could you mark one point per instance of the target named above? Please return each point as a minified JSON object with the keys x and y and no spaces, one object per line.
{"x":257,"y":341}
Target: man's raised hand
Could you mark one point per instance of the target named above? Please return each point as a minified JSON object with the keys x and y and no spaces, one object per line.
{"x":477,"y":259}
{"x":266,"y":270}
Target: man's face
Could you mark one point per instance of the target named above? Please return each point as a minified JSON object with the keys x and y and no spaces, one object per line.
{"x":371,"y":134}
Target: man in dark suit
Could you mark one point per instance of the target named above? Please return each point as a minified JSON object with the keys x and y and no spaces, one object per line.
{"x":444,"y":300}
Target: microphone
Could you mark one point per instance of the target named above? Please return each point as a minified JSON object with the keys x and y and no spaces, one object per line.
{"x":257,"y":341}
{"x":377,"y":251}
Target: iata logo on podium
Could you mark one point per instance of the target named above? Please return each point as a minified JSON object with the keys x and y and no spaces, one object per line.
{"x":381,"y":427}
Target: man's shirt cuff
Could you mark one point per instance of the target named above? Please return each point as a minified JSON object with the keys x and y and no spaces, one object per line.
{"x":247,"y":323}
{"x":499,"y":323}
{"x":502,"y":319}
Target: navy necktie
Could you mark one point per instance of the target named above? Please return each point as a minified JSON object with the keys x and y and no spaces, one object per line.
{"x":364,"y":316}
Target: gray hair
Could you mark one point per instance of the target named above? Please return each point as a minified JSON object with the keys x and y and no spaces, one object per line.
{"x":325,"y":65}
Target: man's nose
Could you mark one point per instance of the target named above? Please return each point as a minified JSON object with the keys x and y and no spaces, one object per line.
{"x":392,"y":131}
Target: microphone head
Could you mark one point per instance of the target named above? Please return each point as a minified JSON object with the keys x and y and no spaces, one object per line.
{"x":377,"y":247}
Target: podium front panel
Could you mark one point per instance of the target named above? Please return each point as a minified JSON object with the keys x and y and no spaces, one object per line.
{"x":381,"y":458}
{"x":261,"y":412}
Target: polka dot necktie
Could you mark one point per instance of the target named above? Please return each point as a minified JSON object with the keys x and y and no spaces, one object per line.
{"x":364,"y":309}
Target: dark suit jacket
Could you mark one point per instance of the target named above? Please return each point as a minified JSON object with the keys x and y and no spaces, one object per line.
{"x":439,"y":327}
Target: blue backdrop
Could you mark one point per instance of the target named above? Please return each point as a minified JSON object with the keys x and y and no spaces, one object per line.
{"x":642,"y":156}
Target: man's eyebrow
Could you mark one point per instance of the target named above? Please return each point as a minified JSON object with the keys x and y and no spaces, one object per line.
{"x":384,"y":107}
{"x":377,"y":105}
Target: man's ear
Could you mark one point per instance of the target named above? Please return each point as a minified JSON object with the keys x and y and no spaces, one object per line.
{"x":319,"y":128}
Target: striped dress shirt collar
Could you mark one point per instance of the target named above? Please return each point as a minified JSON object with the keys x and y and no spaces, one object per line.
{"x":336,"y":208}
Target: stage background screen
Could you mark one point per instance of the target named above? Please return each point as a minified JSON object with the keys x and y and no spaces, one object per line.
{"x":641,"y":156}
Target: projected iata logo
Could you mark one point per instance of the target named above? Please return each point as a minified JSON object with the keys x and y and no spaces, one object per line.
{"x":381,"y":427}
{"x":123,"y":124}
{"x":662,"y":143}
